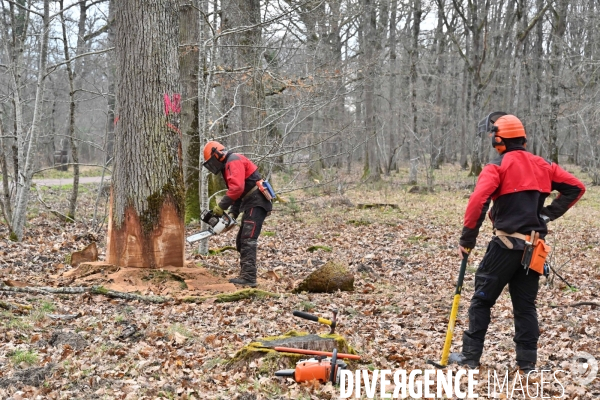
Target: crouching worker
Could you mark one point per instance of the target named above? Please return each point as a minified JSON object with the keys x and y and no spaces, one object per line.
{"x":518,"y":183}
{"x":241,"y":177}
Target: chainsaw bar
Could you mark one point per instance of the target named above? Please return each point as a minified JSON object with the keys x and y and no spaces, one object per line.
{"x":285,"y":372}
{"x":199,"y":236}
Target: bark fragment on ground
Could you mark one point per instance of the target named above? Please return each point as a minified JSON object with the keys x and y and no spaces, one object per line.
{"x":88,"y":254}
{"x":85,"y":269}
{"x":34,"y":376}
{"x":76,"y":341}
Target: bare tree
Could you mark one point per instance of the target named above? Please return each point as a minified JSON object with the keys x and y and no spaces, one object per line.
{"x":27,"y":138}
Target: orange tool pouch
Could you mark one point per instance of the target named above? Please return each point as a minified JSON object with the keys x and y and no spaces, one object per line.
{"x":534,"y":256}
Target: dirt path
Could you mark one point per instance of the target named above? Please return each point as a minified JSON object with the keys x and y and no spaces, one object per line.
{"x":69,"y":181}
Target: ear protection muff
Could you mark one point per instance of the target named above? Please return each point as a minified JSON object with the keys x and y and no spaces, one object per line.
{"x":496,"y":140}
{"x":218,"y":155}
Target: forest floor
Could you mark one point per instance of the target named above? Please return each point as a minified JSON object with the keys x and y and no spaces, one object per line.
{"x":405,"y":266}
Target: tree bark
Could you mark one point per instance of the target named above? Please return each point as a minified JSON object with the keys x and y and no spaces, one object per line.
{"x":438,"y":133}
{"x":73,"y":72}
{"x":414,"y":59}
{"x":373,"y":170}
{"x":146,"y":221}
{"x":393,"y":103}
{"x":27,"y":143}
{"x":188,"y":63}
{"x":558,"y":31}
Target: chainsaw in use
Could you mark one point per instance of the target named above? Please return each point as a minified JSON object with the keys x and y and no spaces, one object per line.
{"x":216,"y":225}
{"x":321,"y":368}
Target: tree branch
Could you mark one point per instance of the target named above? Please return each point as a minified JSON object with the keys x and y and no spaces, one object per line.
{"x":523,"y":35}
{"x":81,"y":290}
{"x":581,"y":303}
{"x":14,"y":3}
{"x":97,"y":33}
{"x":52,"y":68}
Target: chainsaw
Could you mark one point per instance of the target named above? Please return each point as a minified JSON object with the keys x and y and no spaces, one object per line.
{"x":321,"y":368}
{"x":216,"y":225}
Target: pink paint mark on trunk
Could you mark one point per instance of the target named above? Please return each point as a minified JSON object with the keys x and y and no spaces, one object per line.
{"x":174,"y":128}
{"x":172,"y":105}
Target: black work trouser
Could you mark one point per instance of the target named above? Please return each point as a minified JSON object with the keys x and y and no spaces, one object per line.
{"x":499,"y":267}
{"x":247,"y":241}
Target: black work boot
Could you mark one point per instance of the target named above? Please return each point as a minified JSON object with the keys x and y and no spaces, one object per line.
{"x":461,"y":359}
{"x":242,"y":281}
{"x":526,"y":367}
{"x":526,"y":359}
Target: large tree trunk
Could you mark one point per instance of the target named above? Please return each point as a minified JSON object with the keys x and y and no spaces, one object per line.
{"x":146,"y":227}
{"x":188,"y":63}
{"x":111,"y":102}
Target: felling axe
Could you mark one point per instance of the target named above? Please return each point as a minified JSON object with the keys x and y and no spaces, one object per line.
{"x":331,"y":323}
{"x":453,"y":313}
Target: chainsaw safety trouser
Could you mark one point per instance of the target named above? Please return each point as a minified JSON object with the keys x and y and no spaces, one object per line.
{"x":247,"y":241}
{"x":499,"y":267}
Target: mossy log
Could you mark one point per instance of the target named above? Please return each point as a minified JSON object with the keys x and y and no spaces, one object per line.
{"x":330,"y":277}
{"x":230,"y":297}
{"x":220,"y":298}
{"x":14,"y":306}
{"x":271,"y":360}
{"x":363,"y":206}
{"x":81,"y":290}
{"x":221,"y":250}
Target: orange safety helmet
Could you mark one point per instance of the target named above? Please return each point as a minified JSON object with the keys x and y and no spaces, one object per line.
{"x":509,"y":127}
{"x":500,"y":126}
{"x":214,"y":157}
{"x":215,"y":148}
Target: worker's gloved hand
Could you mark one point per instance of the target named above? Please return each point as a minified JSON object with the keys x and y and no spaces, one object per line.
{"x":234,"y":215}
{"x":218,"y":211}
{"x":462,"y":251}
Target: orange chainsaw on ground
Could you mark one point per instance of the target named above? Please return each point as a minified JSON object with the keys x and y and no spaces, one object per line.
{"x":321,"y":368}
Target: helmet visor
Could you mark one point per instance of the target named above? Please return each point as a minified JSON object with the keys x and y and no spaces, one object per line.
{"x":213,"y":165}
{"x":486,"y":124}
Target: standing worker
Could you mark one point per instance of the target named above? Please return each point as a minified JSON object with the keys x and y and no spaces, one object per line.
{"x":241,"y":177}
{"x":518,"y":182}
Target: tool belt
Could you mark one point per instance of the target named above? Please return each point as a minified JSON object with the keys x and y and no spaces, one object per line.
{"x":536,"y":249}
{"x":254,"y":189}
